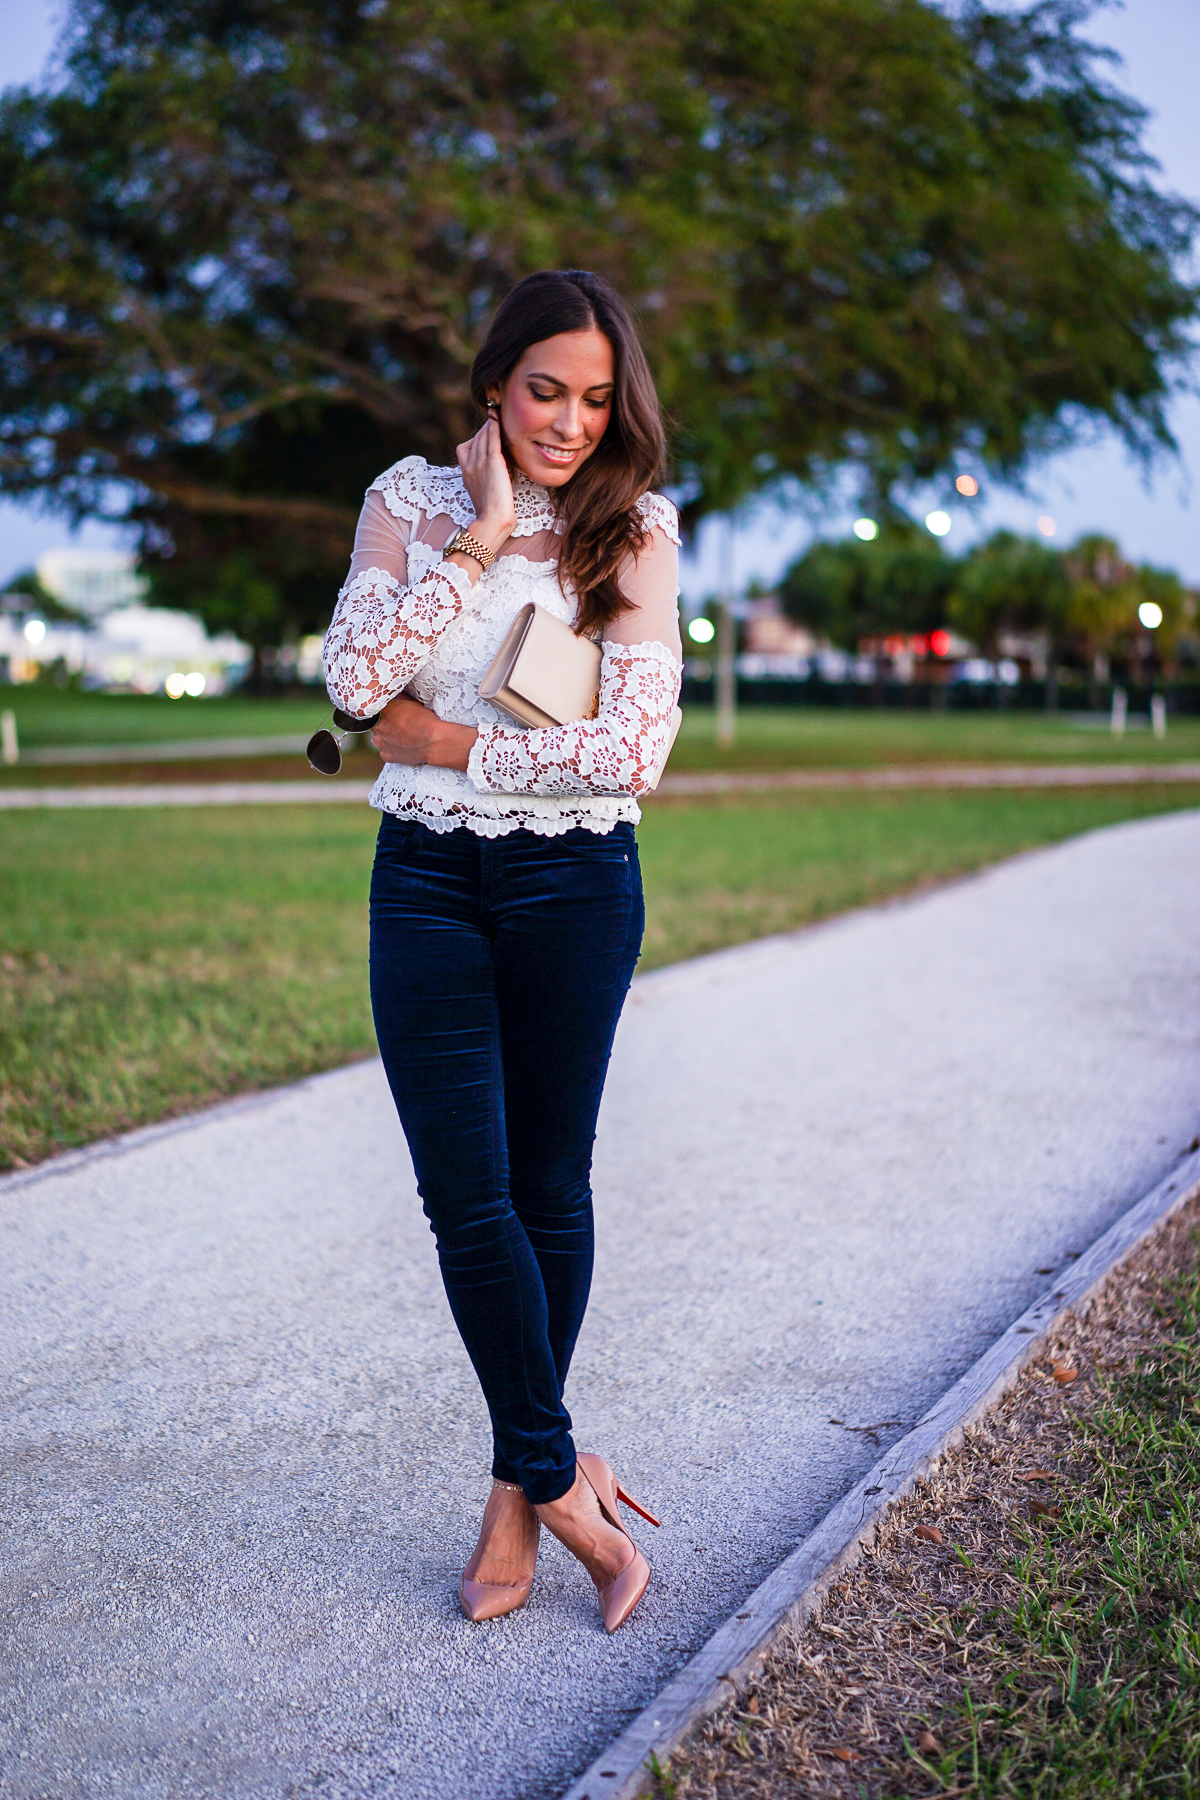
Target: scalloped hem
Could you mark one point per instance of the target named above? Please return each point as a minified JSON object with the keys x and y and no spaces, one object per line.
{"x":540,"y":824}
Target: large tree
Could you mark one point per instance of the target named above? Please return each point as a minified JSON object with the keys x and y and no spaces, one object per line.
{"x":248,"y":246}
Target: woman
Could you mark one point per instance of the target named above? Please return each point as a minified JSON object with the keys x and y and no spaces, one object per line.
{"x":506,"y":904}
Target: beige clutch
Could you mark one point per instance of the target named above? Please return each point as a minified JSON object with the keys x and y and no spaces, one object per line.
{"x":543,"y":675}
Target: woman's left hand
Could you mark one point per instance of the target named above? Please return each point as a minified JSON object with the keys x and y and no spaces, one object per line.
{"x":408,"y":732}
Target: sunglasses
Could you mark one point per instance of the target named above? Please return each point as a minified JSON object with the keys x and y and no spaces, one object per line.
{"x":324,"y":749}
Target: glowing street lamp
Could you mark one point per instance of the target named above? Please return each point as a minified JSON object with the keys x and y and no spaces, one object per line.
{"x":1151,"y":614}
{"x":937,"y":522}
{"x":701,"y":631}
{"x":866,"y":529}
{"x":967,"y":486}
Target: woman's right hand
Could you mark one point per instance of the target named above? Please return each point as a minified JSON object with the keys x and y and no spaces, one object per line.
{"x":486,"y":479}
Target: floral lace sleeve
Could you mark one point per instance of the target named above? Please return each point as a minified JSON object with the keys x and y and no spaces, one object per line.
{"x":383,"y":633}
{"x":398,"y":599}
{"x":618,"y":752}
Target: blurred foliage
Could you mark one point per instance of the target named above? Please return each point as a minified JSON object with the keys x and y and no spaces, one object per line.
{"x":1082,"y":602}
{"x":29,"y":585}
{"x":247,"y":249}
{"x":1010,"y":584}
{"x":1102,"y":600}
{"x":847,"y":591}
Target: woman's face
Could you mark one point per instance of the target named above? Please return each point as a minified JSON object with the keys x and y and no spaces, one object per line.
{"x":556,"y":404}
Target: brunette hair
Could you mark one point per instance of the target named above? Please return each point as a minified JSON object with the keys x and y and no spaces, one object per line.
{"x":601,"y":526}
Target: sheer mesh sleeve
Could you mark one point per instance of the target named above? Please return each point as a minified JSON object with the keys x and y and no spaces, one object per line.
{"x":389,"y":615}
{"x":622,"y":749}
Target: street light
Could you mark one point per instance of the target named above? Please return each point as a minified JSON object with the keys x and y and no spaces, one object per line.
{"x":1151,"y":614}
{"x":35,"y":630}
{"x":937,"y":522}
{"x":726,"y":696}
{"x":701,"y":631}
{"x":866,"y":529}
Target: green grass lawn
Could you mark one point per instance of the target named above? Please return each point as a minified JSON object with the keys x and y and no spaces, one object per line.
{"x":868,"y":737}
{"x":45,"y":716}
{"x":151,"y":961}
{"x":768,"y":737}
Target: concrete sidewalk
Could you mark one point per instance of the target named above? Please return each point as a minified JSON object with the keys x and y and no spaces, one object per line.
{"x":245,"y":1455}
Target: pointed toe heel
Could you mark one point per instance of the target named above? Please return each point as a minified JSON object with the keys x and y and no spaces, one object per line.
{"x":482,"y":1600}
{"x":620,"y":1596}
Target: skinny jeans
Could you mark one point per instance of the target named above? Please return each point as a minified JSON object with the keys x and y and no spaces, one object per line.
{"x":499,"y":967}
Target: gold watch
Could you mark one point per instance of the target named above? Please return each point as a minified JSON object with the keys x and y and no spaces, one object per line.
{"x":470,"y":546}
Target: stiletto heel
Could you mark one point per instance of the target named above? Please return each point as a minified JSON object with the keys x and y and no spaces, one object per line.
{"x":633,"y":1506}
{"x":619,"y":1596}
{"x":482,"y":1600}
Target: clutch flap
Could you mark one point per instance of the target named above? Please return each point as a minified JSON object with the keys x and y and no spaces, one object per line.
{"x":542,"y":674}
{"x":500,"y":667}
{"x":555,"y":671}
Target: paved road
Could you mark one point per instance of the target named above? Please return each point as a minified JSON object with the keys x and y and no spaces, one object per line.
{"x":244,"y":1453}
{"x":714,"y":781}
{"x":179,"y":750}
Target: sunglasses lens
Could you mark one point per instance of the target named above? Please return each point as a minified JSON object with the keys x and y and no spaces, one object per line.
{"x":323,"y":753}
{"x":344,"y":722}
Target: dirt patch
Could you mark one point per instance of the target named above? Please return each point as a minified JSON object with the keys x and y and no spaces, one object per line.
{"x":859,"y":1700}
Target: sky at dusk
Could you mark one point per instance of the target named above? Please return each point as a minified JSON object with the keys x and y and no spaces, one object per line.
{"x":1090,"y":488}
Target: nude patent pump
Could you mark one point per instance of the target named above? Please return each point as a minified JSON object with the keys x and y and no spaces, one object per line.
{"x":619,"y":1596}
{"x":482,"y":1600}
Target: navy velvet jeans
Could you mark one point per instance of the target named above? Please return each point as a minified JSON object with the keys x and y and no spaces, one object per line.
{"x":499,"y":967}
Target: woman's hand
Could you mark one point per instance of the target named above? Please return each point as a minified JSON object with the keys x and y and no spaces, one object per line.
{"x":486,"y":479}
{"x":408,"y":732}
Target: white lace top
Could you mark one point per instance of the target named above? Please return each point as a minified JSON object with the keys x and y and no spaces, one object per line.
{"x":407,"y":621}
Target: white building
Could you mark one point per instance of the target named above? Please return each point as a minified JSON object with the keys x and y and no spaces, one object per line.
{"x":125,"y":644}
{"x":144,"y":647}
{"x":92,"y":582}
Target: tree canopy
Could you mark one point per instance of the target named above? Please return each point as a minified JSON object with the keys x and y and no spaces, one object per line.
{"x":248,"y":247}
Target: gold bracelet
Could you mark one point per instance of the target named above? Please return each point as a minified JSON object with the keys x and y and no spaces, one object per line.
{"x":470,"y":546}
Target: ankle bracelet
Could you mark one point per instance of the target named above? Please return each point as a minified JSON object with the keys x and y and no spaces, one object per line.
{"x":512,"y":1487}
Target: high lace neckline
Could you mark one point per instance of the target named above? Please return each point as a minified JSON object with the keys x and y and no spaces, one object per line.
{"x":534,"y":507}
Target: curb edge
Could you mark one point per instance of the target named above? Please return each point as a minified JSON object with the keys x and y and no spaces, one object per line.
{"x":795,"y":1591}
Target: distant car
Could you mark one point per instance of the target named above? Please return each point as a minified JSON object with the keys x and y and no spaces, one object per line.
{"x":977,"y":671}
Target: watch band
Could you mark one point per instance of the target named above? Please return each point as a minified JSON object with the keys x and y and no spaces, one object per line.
{"x":470,"y":546}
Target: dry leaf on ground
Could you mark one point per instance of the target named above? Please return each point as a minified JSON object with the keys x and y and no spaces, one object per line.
{"x":900,"y":1622}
